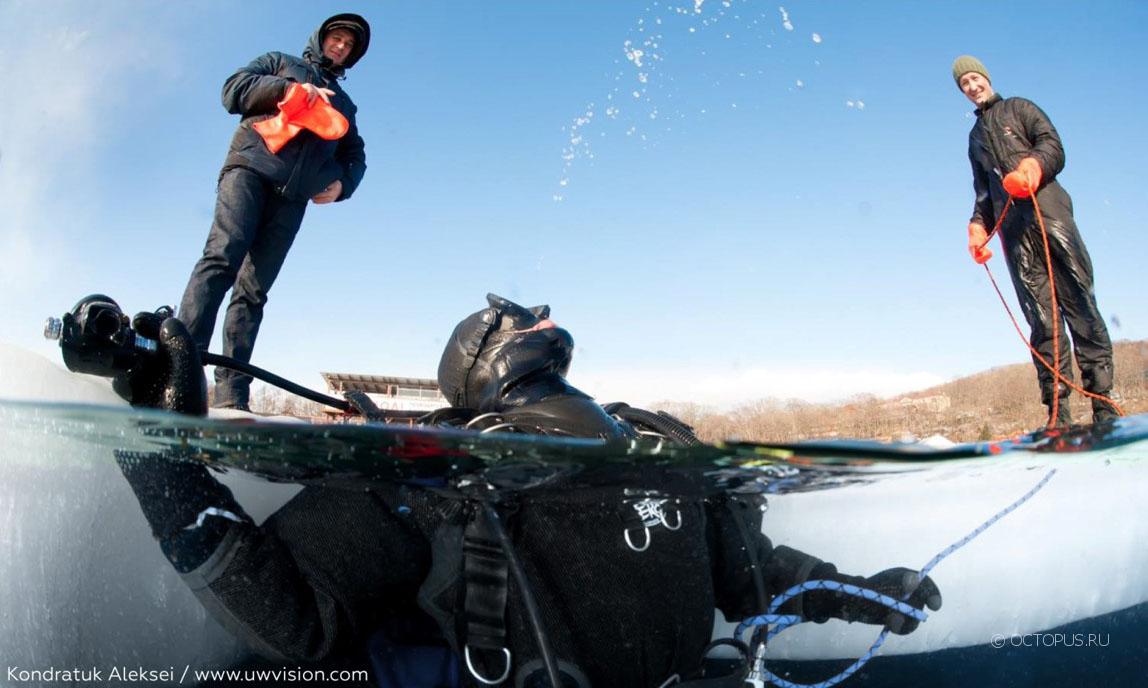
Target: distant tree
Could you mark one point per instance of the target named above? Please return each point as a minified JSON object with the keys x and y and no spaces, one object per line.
{"x":1000,"y":402}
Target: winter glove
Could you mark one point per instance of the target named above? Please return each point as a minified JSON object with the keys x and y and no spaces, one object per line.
{"x":296,"y":114}
{"x":1024,"y":180}
{"x":978,"y":240}
{"x":899,"y":583}
{"x":173,"y":378}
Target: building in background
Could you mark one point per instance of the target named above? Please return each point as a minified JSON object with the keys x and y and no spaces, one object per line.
{"x":389,"y":393}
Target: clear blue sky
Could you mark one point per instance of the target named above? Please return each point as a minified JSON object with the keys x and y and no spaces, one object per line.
{"x":780,"y":212}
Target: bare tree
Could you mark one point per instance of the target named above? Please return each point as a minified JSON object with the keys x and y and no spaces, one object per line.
{"x":1001,"y":402}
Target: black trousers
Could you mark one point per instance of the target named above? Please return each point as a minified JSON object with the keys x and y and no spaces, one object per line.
{"x":251,"y":234}
{"x":1078,"y":316}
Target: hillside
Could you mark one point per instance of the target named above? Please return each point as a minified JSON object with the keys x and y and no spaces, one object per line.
{"x":1000,"y":402}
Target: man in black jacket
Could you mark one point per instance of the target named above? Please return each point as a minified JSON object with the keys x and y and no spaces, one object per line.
{"x":624,"y":581}
{"x":1013,"y":145}
{"x":263,"y":195}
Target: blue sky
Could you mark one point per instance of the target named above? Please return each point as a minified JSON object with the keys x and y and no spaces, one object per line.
{"x":780,"y":212}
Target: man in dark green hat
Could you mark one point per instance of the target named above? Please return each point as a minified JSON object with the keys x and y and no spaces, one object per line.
{"x":1015,"y":151}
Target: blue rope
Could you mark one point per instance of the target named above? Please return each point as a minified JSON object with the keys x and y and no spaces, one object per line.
{"x":780,"y":622}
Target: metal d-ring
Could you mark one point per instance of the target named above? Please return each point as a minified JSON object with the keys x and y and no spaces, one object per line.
{"x":679,"y":520}
{"x":644,"y":547}
{"x":479,"y":677}
{"x":482,"y":416}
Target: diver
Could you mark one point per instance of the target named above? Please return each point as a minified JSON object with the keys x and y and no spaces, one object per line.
{"x":462,"y":585}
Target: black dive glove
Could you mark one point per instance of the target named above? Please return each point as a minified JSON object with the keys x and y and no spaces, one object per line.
{"x":189,"y":511}
{"x":821,"y":605}
{"x":172,"y":379}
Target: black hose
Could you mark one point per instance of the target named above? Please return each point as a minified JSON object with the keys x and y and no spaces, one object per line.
{"x":755,"y":565}
{"x":527,"y":595}
{"x":679,"y":424}
{"x":662,"y":422}
{"x":751,"y":553}
{"x":273,"y":379}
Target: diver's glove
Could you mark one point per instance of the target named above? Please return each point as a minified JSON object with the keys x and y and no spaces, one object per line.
{"x":899,"y":583}
{"x":172,"y":379}
{"x":189,"y":511}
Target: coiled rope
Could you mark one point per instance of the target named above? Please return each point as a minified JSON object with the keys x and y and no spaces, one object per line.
{"x":779,"y":622}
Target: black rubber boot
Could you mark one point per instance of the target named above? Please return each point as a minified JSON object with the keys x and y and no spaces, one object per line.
{"x":1063,"y":417}
{"x":1102,"y":411}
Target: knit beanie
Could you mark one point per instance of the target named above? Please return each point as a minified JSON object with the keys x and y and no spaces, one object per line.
{"x":967,"y":63}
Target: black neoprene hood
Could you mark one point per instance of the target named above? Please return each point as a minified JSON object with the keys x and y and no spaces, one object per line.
{"x":470,"y":341}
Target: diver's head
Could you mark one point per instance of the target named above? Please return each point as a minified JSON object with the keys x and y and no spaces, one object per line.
{"x":494,"y":350}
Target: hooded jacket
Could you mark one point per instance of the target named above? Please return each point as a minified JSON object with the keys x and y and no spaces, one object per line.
{"x":307,"y":164}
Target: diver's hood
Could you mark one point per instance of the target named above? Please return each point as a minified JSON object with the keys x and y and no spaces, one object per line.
{"x":353,"y":23}
{"x":494,"y":350}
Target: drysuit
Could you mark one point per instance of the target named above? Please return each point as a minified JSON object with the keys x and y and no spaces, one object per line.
{"x":1007,"y":131}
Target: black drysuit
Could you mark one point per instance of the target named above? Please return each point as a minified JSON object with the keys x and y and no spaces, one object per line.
{"x":1006,"y":131}
{"x":629,"y":603}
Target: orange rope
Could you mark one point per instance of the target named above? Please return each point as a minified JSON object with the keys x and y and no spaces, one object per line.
{"x":1055,"y":367}
{"x":1054,"y":407}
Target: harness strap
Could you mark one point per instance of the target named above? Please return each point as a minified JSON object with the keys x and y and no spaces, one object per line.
{"x":485,"y":579}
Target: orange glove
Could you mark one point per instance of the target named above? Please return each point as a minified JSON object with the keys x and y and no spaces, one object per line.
{"x":295,"y":116}
{"x":1024,"y":180}
{"x":978,"y":238}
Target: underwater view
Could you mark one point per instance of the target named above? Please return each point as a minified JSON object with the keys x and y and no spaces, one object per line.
{"x":1034,"y":543}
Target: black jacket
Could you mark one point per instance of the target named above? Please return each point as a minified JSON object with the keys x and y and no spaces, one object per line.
{"x":307,"y":164}
{"x":1008,"y":130}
